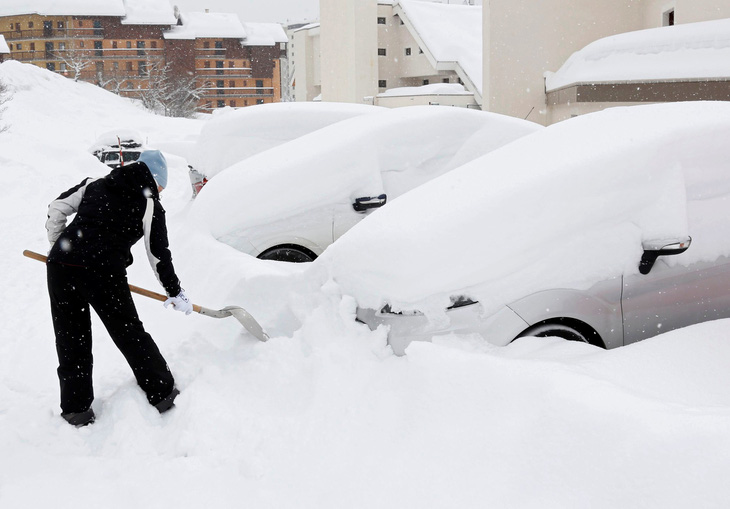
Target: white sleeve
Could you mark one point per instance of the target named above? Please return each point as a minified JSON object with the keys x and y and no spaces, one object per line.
{"x":62,"y":207}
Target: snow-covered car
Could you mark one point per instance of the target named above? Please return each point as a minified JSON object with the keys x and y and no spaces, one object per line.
{"x":291,"y":202}
{"x":116,"y":148}
{"x":233,"y":135}
{"x":607,"y":228}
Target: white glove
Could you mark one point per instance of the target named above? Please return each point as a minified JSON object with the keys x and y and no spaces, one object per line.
{"x":180,"y":303}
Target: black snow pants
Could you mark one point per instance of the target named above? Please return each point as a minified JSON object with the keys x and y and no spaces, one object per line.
{"x":72,"y":290}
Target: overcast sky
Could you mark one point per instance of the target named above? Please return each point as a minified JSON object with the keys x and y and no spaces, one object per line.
{"x":278,"y":11}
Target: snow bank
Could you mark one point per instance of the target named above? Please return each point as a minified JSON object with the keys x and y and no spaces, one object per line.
{"x":564,"y":207}
{"x":322,"y":415}
{"x":233,"y":135}
{"x":681,"y":52}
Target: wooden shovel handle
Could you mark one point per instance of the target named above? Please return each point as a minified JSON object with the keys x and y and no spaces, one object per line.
{"x":134,"y":289}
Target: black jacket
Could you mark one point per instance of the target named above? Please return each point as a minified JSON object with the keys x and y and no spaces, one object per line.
{"x":112,"y":214}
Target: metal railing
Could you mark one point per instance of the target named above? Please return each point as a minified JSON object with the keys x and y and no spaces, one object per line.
{"x":54,"y":33}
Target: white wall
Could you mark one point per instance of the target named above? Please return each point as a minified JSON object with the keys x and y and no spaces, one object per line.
{"x":307,"y":62}
{"x":349,"y":41}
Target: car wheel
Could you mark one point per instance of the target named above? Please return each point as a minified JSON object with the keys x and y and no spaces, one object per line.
{"x":543,"y":330}
{"x":294,"y":254}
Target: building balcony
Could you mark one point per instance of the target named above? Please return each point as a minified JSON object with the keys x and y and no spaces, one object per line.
{"x":53,"y":33}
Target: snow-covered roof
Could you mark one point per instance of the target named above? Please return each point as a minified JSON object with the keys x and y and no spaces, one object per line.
{"x":133,"y":12}
{"x":680,"y":52}
{"x":207,"y":25}
{"x":66,"y":7}
{"x":149,"y":12}
{"x":264,"y":34}
{"x":3,"y":45}
{"x":430,"y":89}
{"x":451,"y":33}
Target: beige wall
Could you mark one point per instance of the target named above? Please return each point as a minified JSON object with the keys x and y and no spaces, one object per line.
{"x":307,"y":61}
{"x":524,"y":38}
{"x":349,"y":41}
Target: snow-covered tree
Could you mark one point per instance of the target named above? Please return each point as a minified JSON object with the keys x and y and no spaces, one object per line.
{"x":4,"y":98}
{"x":77,"y":61}
{"x":168,"y":94}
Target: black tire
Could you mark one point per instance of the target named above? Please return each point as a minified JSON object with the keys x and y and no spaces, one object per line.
{"x":559,"y":330}
{"x":293,"y":254}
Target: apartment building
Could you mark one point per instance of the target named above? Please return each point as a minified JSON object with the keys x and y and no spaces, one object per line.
{"x":385,"y":52}
{"x":120,"y":44}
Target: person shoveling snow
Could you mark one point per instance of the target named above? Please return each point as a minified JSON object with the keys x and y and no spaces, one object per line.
{"x":87,"y":267}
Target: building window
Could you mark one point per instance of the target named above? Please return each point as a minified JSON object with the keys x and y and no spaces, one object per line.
{"x":259,"y":86}
{"x":221,"y":103}
{"x":445,"y":80}
{"x":115,"y":45}
{"x":231,"y":64}
{"x":245,"y":102}
{"x":81,"y":24}
{"x":129,"y":66}
{"x":32,"y":46}
{"x":382,"y":83}
{"x":219,"y":67}
{"x":668,"y":18}
{"x":116,"y":66}
{"x":61,"y":45}
{"x":206,"y":45}
{"x":18,"y":47}
{"x":50,"y":66}
{"x":130,"y":85}
{"x":60,"y":25}
{"x":98,"y":48}
{"x":142,"y":68}
{"x":154,"y":44}
{"x":129,"y":45}
{"x":81,"y":44}
{"x":259,"y":101}
{"x":381,"y":21}
{"x":232,"y":104}
{"x":63,"y":67}
{"x":425,"y":82}
{"x":140,"y":48}
{"x":408,"y":52}
{"x":381,"y":52}
{"x":30,"y":24}
{"x":97,"y":29}
{"x":232,"y":84}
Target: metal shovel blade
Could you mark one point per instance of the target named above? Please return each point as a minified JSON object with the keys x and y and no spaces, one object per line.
{"x":240,"y":314}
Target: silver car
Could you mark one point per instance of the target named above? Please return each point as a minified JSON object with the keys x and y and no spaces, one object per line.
{"x":606,"y":229}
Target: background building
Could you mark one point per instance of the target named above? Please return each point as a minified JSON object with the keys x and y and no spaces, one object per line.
{"x":129,"y":46}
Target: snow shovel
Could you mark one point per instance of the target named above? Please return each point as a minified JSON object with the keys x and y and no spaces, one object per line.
{"x":240,"y":314}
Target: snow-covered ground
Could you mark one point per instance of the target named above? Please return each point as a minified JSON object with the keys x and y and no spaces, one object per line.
{"x":322,"y":415}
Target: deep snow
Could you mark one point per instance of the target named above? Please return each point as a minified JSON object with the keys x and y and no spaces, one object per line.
{"x":323,"y":415}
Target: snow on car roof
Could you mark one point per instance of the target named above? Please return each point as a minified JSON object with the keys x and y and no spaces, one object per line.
{"x":232,"y":135}
{"x":436,"y":25}
{"x":687,"y":51}
{"x":391,"y":151}
{"x":564,"y":207}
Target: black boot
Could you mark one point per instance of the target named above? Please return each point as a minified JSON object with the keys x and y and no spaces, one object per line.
{"x":80,"y":419}
{"x":167,"y":403}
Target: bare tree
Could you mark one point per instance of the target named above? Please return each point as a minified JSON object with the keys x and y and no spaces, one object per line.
{"x":76,"y":60}
{"x":168,"y":94}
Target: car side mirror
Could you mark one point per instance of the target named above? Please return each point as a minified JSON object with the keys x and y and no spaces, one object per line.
{"x":657,"y":248}
{"x":369,"y":202}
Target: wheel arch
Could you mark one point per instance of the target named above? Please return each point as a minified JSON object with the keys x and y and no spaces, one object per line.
{"x":593,"y":311}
